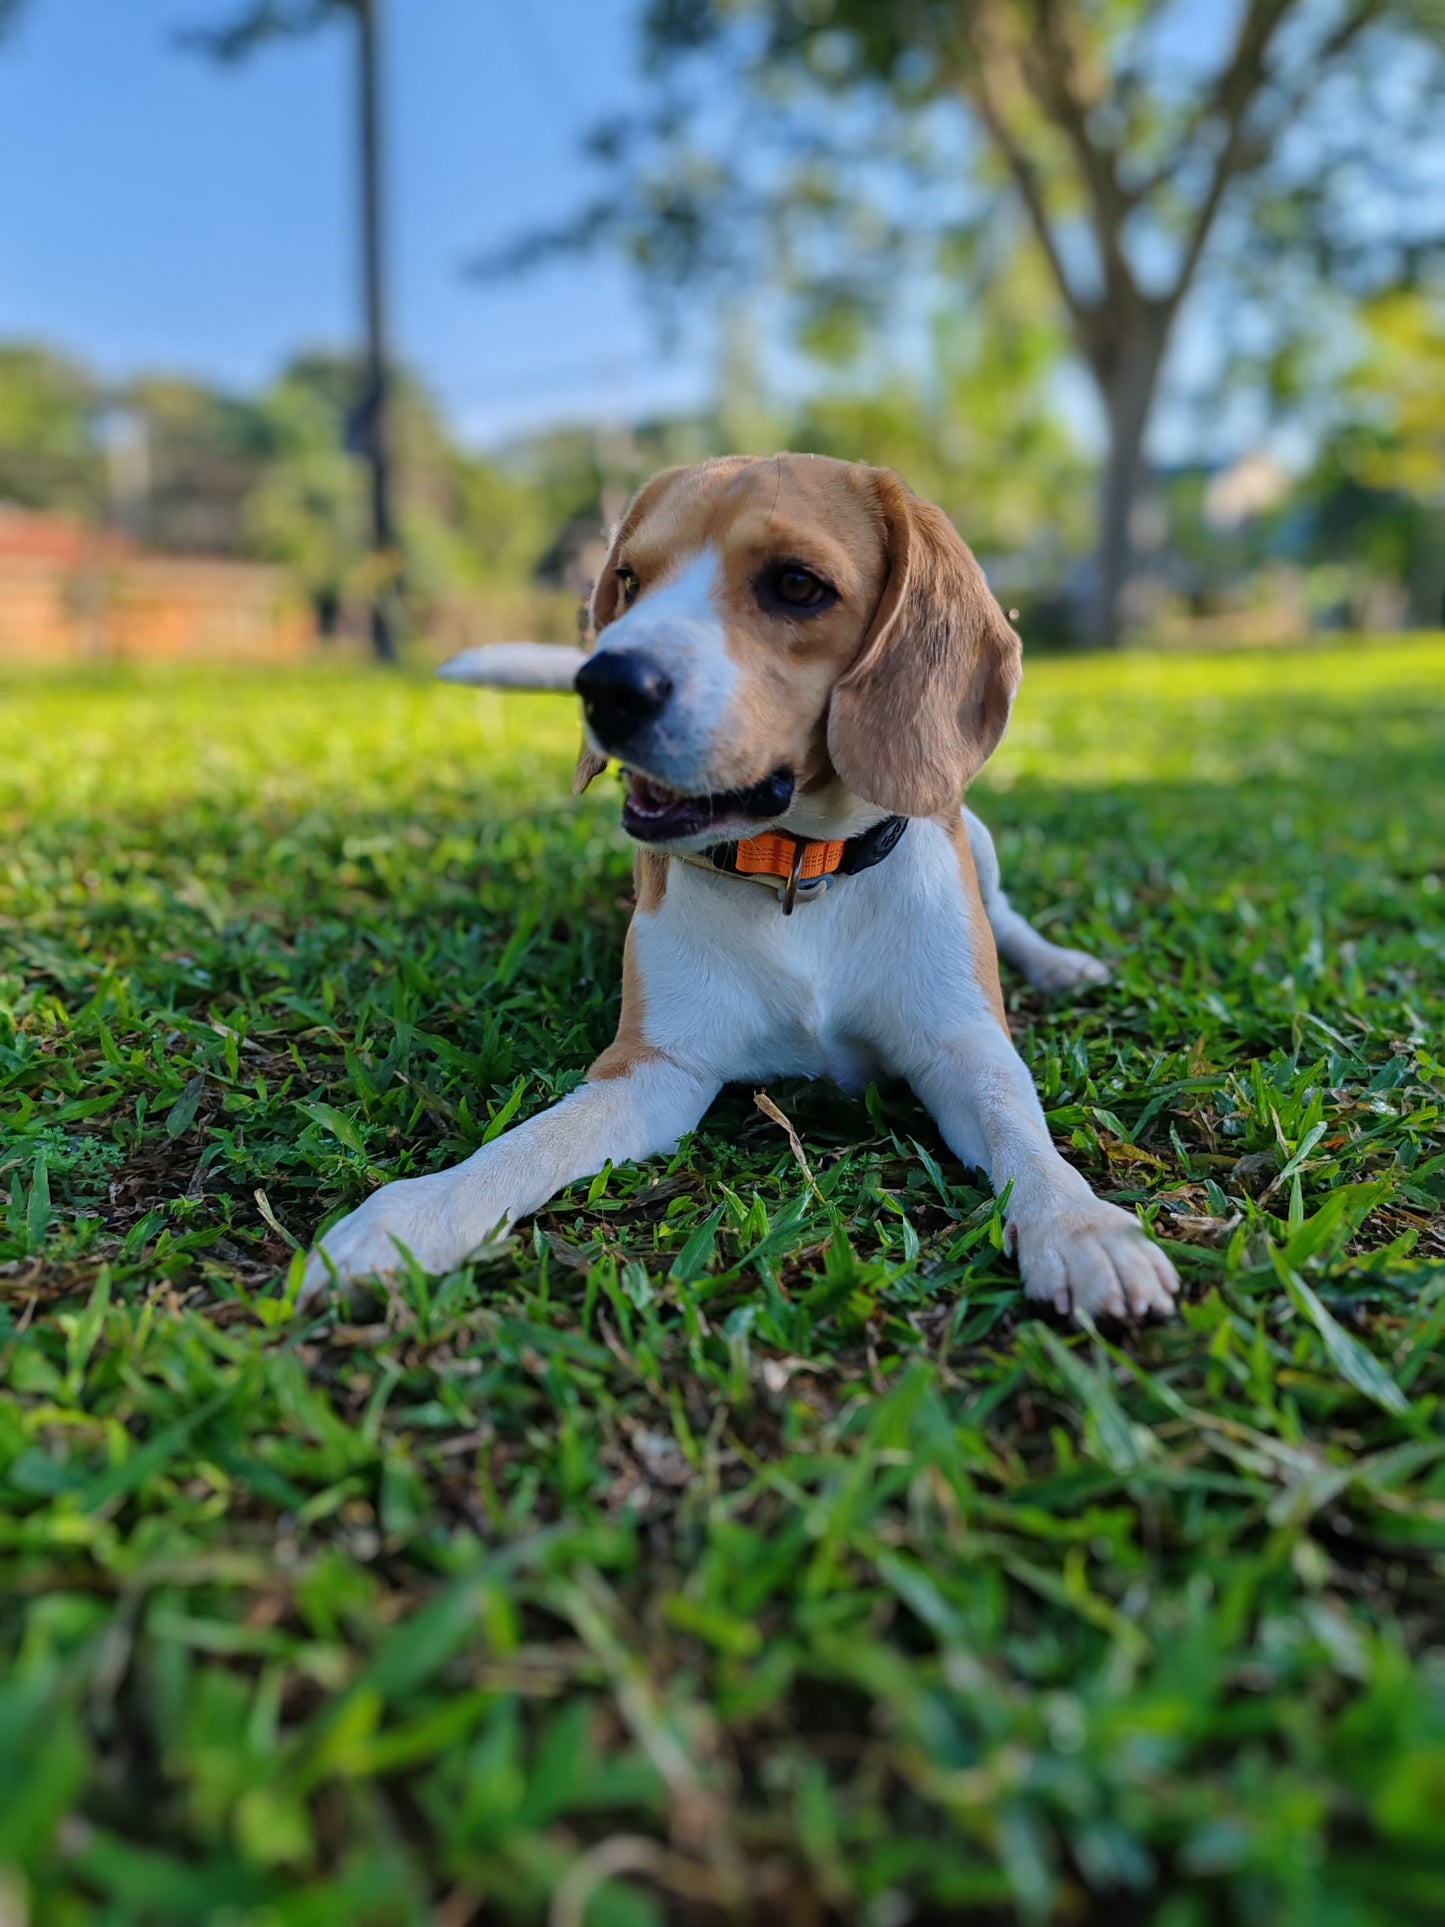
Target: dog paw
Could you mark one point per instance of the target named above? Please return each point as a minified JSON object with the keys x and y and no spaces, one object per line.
{"x":1094,"y":1258}
{"x":416,"y":1216}
{"x":1055,"y":968}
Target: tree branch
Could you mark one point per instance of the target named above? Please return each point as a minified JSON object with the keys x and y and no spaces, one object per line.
{"x":1050,"y":64}
{"x":1216,"y":102}
{"x":1320,"y":66}
{"x":986,"y":83}
{"x":262,"y":21}
{"x":1238,"y":88}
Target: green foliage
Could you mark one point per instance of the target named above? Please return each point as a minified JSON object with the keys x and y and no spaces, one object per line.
{"x":870,"y":163}
{"x":276,"y":476}
{"x":722,"y":1539}
{"x":308,"y":510}
{"x":1375,"y":497}
{"x":982,"y":435}
{"x":1110,"y":133}
{"x":1400,"y":382}
{"x":48,"y":458}
{"x":203,"y":452}
{"x":467,"y":521}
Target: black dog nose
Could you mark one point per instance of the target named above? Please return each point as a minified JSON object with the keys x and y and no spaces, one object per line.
{"x":621,"y":689}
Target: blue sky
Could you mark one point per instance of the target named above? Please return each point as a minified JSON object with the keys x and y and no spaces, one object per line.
{"x":161,"y":212}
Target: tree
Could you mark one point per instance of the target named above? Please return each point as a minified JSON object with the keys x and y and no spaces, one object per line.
{"x":266,"y":20}
{"x":198,"y":453}
{"x":893,"y":145}
{"x":48,"y":454}
{"x":308,"y":511}
{"x":1397,"y":389}
{"x":981,"y":433}
{"x":465,"y":523}
{"x":1378,"y":490}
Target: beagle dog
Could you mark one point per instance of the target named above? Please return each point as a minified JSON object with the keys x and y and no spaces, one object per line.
{"x":800,"y":667}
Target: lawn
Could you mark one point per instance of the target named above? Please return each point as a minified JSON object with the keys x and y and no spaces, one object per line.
{"x":727,"y":1547}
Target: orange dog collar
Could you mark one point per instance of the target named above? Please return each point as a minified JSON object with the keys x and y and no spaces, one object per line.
{"x":780,"y":855}
{"x":801,"y":862}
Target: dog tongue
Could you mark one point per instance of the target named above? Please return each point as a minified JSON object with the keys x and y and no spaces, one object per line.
{"x":651,"y":799}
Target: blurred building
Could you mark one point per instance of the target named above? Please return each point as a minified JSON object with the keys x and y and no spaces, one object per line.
{"x":71,"y":592}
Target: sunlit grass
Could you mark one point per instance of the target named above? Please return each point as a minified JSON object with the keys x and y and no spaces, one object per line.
{"x":759,"y":1523}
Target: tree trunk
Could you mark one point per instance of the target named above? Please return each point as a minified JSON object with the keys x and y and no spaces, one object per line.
{"x":1127,"y":380}
{"x":385,"y":561}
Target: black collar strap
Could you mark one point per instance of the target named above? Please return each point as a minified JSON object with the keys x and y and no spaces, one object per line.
{"x":871,"y":846}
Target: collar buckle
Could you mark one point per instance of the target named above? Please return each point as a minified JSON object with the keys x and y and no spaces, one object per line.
{"x":790,"y":888}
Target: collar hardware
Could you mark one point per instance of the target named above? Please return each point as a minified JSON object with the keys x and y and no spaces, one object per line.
{"x":790,"y":888}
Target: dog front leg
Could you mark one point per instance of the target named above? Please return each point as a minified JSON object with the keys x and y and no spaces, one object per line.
{"x":1074,"y":1251}
{"x":439,"y":1219}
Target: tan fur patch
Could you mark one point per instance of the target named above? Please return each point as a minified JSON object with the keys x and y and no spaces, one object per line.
{"x":649,"y":881}
{"x":983,"y":961}
{"x":927,"y":702}
{"x":663,"y":505}
{"x":817,"y":513}
{"x":630,"y":1046}
{"x":589,"y":767}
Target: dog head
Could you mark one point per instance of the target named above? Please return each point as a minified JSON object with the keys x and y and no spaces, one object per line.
{"x":770,"y":631}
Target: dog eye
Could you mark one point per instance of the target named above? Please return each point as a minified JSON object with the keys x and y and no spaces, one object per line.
{"x":627,"y":582}
{"x":788,"y":587}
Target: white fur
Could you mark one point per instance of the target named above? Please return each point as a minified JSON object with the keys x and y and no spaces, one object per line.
{"x":679,"y":624}
{"x":874,"y":978}
{"x":440,"y":1218}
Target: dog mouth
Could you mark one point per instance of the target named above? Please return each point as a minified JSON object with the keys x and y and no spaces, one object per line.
{"x":653,"y":813}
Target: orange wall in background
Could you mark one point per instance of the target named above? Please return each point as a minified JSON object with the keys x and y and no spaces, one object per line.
{"x":70,"y":593}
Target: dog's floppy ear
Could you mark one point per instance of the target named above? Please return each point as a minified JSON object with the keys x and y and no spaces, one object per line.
{"x":607,"y":600}
{"x":927,"y":700}
{"x":589,"y":766}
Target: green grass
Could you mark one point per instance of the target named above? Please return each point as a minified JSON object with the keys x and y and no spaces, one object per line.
{"x":723,"y":1549}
